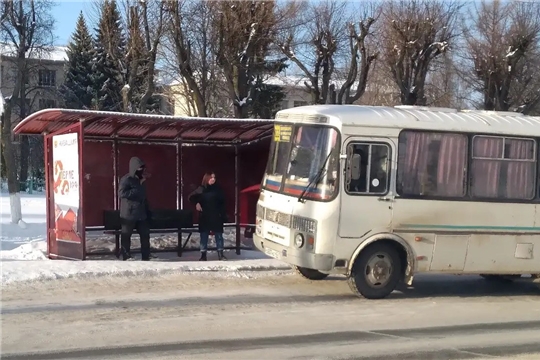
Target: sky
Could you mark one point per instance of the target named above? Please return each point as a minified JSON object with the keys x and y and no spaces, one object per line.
{"x":66,"y":13}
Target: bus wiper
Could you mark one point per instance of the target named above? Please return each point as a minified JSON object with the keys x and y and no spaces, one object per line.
{"x":316,"y":179}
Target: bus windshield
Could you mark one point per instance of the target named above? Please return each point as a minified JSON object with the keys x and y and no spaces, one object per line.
{"x":302,"y":155}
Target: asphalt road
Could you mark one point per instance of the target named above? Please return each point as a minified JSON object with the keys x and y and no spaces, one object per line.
{"x":268,"y":317}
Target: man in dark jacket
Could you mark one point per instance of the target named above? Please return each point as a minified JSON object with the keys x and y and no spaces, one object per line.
{"x":134,"y":209}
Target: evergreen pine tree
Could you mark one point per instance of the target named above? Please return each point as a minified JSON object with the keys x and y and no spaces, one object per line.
{"x":109,"y":69}
{"x":266,"y":99}
{"x":77,"y":91}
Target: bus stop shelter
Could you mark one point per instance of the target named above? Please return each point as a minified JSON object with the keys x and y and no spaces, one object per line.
{"x":87,"y":152}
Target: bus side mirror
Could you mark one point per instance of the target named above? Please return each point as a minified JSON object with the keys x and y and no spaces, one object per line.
{"x":356,"y":160}
{"x":353,"y":168}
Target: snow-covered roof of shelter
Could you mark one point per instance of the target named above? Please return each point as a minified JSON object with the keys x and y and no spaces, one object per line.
{"x":425,"y":118}
{"x":52,"y":53}
{"x":106,"y":125}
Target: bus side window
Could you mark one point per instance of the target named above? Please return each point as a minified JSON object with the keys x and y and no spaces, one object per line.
{"x":373,"y":169}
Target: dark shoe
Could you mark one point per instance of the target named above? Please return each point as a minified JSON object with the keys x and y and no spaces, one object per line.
{"x":127,"y":256}
{"x":203,"y":256}
{"x":220,"y":255}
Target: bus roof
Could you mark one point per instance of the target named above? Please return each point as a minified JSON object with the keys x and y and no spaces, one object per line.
{"x":425,"y":118}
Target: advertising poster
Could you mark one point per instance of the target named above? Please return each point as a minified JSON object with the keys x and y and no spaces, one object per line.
{"x":66,"y":186}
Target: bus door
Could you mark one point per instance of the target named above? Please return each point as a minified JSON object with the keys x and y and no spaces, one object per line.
{"x":367,"y":197}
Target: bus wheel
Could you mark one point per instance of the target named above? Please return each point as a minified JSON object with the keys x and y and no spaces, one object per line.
{"x":310,"y":274}
{"x":376,"y":271}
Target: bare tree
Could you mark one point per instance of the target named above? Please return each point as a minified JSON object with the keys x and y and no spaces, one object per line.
{"x":146,"y":24}
{"x":245,"y":30}
{"x":26,"y":26}
{"x":380,"y":89}
{"x":504,"y":47}
{"x":193,"y":66}
{"x":362,"y":55}
{"x":444,"y":86}
{"x":525,"y":88}
{"x":413,"y":34}
{"x":331,"y":43}
{"x":312,"y":41}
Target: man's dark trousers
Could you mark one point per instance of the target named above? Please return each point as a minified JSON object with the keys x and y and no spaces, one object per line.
{"x":144,"y":233}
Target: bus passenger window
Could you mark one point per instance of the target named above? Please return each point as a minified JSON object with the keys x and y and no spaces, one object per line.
{"x":374,"y":169}
{"x":432,"y":164}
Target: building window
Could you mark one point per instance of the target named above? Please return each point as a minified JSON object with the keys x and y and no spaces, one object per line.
{"x":432,"y":164}
{"x":503,"y":168}
{"x":46,"y":104}
{"x":47,"y":78}
{"x":299,"y":103}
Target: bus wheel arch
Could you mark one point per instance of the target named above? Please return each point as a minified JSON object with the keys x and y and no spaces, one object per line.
{"x":378,"y":268}
{"x":404,"y":250}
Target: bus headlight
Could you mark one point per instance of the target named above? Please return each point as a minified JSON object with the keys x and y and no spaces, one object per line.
{"x":299,"y":240}
{"x":258,"y":227}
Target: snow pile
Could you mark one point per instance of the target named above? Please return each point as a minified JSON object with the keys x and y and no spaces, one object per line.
{"x":33,"y":250}
{"x":236,"y":266}
{"x":32,"y":229}
{"x":23,"y":253}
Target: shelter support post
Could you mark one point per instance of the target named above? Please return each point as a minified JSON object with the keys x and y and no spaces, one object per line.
{"x":236,"y":197}
{"x":115,"y":187}
{"x":48,"y":191}
{"x":80,"y":215}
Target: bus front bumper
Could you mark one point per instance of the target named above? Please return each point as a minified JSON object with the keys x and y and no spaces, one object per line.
{"x":294,"y":256}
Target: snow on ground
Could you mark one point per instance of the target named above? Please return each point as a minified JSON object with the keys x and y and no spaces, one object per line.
{"x":23,"y":252}
{"x":12,"y":236}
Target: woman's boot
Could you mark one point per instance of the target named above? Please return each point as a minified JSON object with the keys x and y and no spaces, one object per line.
{"x":203,"y":256}
{"x":220,"y":255}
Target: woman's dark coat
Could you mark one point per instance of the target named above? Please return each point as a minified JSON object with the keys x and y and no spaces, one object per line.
{"x":212,"y":201}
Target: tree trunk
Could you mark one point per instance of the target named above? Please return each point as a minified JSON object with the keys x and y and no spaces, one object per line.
{"x":150,"y":79}
{"x":24,"y":109}
{"x":240,"y":112}
{"x":11,"y":167}
{"x":25,"y":158}
{"x":408,"y":99}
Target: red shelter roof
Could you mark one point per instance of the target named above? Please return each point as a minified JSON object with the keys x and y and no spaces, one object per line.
{"x":106,"y":125}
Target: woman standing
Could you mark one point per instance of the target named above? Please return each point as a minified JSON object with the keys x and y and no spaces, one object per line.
{"x":209,"y":201}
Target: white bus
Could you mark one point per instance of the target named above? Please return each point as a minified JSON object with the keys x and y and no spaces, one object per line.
{"x":379,"y":194}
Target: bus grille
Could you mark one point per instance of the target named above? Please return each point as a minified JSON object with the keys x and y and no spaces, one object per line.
{"x":278,"y":218}
{"x":304,"y":224}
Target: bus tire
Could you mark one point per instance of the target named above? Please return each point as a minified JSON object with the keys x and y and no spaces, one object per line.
{"x":376,"y":271}
{"x":310,"y":274}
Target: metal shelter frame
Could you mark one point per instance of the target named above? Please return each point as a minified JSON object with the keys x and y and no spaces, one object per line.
{"x":136,"y":129}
